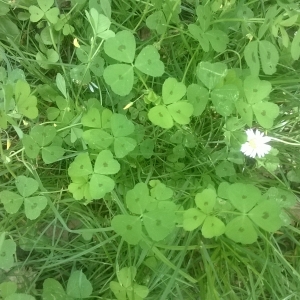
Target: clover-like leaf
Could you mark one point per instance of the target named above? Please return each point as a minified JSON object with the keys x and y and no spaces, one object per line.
{"x":80,"y":74}
{"x":206,"y":200}
{"x":80,"y":188}
{"x":97,"y":138}
{"x":105,"y":163}
{"x":265,"y":113}
{"x":43,"y":135}
{"x":225,"y":168}
{"x":81,"y":166}
{"x":120,"y":78}
{"x":241,"y":230}
{"x":34,"y":206}
{"x":129,"y":227}
{"x":26,"y":185}
{"x":123,"y":146}
{"x":224,"y":98}
{"x":53,"y":289}
{"x":218,"y":39}
{"x":26,"y":103}
{"x":121,"y":47}
{"x":118,"y":290}
{"x":161,"y":192}
{"x":92,"y":118}
{"x":295,"y":46}
{"x":148,"y":61}
{"x":251,"y":57}
{"x":198,"y":96}
{"x":211,"y":74}
{"x":97,"y":66}
{"x":269,"y":57}
{"x":157,"y":21}
{"x":137,"y":199}
{"x":256,"y":89}
{"x":160,"y":115}
{"x":79,"y":286}
{"x":31,"y":148}
{"x":120,"y":125}
{"x":172,"y":90}
{"x":243,"y":196}
{"x":212,"y":226}
{"x":11,"y":201}
{"x":192,"y":218}
{"x":159,"y":223}
{"x":267,"y":216}
{"x":36,"y":13}
{"x":7,"y":252}
{"x":245,"y":111}
{"x":100,"y":185}
{"x":204,"y":16}
{"x":199,"y":35}
{"x":52,"y":154}
{"x":52,"y":15}
{"x":126,"y":276}
{"x":181,"y":112}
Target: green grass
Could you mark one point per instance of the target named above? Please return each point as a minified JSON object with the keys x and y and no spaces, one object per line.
{"x":71,"y":235}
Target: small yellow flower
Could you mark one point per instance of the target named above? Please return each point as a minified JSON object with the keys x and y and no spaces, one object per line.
{"x":75,"y":43}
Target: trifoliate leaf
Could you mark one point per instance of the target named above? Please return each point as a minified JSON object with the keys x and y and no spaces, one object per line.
{"x":81,"y":166}
{"x":212,"y":226}
{"x":34,"y":206}
{"x":192,"y":218}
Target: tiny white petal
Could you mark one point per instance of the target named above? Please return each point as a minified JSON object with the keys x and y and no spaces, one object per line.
{"x":256,"y":144}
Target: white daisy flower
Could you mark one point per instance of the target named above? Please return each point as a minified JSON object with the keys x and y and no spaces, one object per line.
{"x":256,"y":144}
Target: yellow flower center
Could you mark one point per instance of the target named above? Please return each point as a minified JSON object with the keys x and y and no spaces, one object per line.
{"x":253,"y":144}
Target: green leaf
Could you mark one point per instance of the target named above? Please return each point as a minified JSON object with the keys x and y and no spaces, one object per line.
{"x":234,"y":123}
{"x":7,"y":252}
{"x":7,"y":288}
{"x":138,"y":198}
{"x":223,"y":99}
{"x":121,"y":47}
{"x":172,"y":90}
{"x":97,"y":66}
{"x":251,"y":57}
{"x":126,"y":276}
{"x":269,"y":57}
{"x":61,"y":84}
{"x":105,"y":163}
{"x":79,"y":286}
{"x":92,"y":118}
{"x":206,"y":200}
{"x":204,"y":16}
{"x":120,"y":78}
{"x":53,"y":289}
{"x":129,"y":227}
{"x":118,"y":290}
{"x":243,"y":196}
{"x":52,"y":15}
{"x":148,"y":62}
{"x":157,"y":21}
{"x":192,"y":218}
{"x":121,"y":126}
{"x":11,"y":201}
{"x":241,"y":230}
{"x":26,"y":185}
{"x":80,"y":188}
{"x":139,"y":292}
{"x":159,"y":115}
{"x":100,"y":185}
{"x":181,"y":112}
{"x":97,"y":138}
{"x":295,"y":47}
{"x":265,"y":113}
{"x":218,"y":39}
{"x":146,"y":148}
{"x":245,"y":111}
{"x":199,"y":35}
{"x":256,"y":89}
{"x":198,"y":96}
{"x":34,"y":206}
{"x":100,"y":24}
{"x":212,"y":226}
{"x":43,"y":135}
{"x":26,"y":104}
{"x":52,"y":154}
{"x":225,"y":168}
{"x":36,"y":13}
{"x":32,"y":149}
{"x":159,"y":223}
{"x":81,"y":166}
{"x":45,"y":4}
{"x":267,"y":216}
{"x":282,"y":197}
{"x":161,"y":192}
{"x":20,"y":296}
{"x":80,"y":74}
{"x":211,"y":74}
{"x":123,"y":146}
